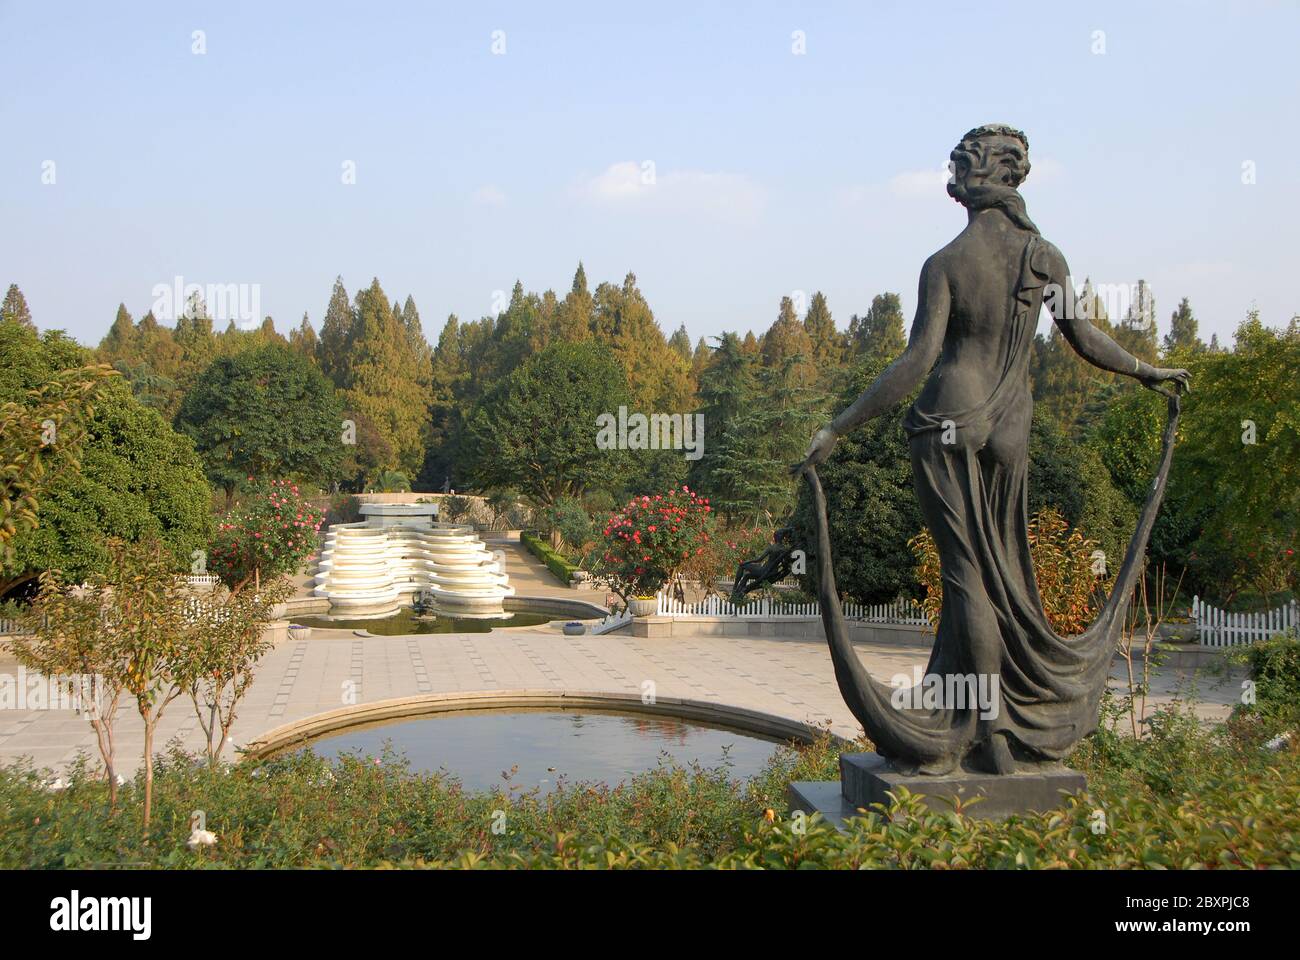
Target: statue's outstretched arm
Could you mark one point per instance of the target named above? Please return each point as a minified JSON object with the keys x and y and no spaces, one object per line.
{"x":1092,"y":343}
{"x":898,"y":379}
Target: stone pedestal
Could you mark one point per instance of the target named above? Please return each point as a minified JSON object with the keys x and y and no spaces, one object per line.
{"x":652,"y":627}
{"x":868,"y":778}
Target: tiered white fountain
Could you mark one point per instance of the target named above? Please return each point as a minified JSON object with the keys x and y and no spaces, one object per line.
{"x":397,"y":553}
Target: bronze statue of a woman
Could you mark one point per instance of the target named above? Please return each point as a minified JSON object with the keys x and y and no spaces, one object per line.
{"x":978,"y":306}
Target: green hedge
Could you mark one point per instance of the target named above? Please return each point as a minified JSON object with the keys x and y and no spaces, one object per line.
{"x":1231,"y":805}
{"x":556,"y":563}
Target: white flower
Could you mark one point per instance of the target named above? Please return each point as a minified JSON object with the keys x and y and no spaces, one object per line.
{"x":201,"y":838}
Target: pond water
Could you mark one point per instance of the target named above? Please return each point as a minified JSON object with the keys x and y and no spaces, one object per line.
{"x":479,"y":746}
{"x":408,"y":621}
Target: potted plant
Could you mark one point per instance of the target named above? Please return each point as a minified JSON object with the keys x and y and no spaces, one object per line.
{"x":645,"y":546}
{"x":643,"y":606}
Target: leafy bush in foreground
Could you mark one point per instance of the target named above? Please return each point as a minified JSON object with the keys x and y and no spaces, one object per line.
{"x":1234,"y":806}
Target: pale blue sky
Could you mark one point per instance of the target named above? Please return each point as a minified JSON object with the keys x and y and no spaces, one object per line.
{"x":775,"y":172}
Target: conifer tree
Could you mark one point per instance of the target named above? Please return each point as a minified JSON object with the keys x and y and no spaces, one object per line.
{"x":304,"y":340}
{"x":787,"y":339}
{"x":827,"y":343}
{"x":681,"y":342}
{"x":657,"y":375}
{"x":119,"y":344}
{"x":336,"y":336}
{"x":574,"y":316}
{"x":1182,"y":334}
{"x":384,"y":379}
{"x":879,"y":335}
{"x":726,"y":389}
{"x":15,"y":307}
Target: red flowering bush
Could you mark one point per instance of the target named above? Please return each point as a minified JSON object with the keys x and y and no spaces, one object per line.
{"x":652,"y":540}
{"x":270,"y":535}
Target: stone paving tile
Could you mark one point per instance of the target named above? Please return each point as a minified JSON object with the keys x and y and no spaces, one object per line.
{"x":790,"y":678}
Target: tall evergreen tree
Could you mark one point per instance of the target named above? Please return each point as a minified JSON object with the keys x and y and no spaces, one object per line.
{"x":1067,"y":389}
{"x":656,"y":374}
{"x":749,"y":475}
{"x":1136,"y":333}
{"x":574,"y":316}
{"x":384,"y":379}
{"x":1182,"y":330}
{"x":15,"y":307}
{"x":448,"y":375}
{"x":681,"y":342}
{"x":198,"y":345}
{"x":699,"y":361}
{"x":415,"y":337}
{"x":119,"y":344}
{"x":268,"y":333}
{"x":304,"y":340}
{"x":786,"y":338}
{"x":827,"y":344}
{"x":336,"y":336}
{"x":879,"y":335}
{"x":727,"y":387}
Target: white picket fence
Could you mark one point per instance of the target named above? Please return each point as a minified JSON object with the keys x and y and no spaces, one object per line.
{"x":12,"y":628}
{"x":714,"y":606}
{"x":1219,"y":628}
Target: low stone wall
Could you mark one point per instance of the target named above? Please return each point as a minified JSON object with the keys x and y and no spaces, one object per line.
{"x":559,"y":607}
{"x":479,"y":513}
{"x":788,"y":628}
{"x":306,"y":606}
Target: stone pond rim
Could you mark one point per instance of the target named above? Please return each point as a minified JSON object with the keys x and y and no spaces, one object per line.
{"x":742,"y":719}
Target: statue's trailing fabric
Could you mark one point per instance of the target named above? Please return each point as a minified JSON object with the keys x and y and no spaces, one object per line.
{"x":971,"y":473}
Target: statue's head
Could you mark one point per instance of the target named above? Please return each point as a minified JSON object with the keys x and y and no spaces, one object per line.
{"x":987,"y":166}
{"x":994,"y":154}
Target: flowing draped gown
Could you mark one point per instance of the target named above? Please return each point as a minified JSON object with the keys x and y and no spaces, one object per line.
{"x":970,"y":472}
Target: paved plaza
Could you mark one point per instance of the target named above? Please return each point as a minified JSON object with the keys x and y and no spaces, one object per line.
{"x":789,"y":678}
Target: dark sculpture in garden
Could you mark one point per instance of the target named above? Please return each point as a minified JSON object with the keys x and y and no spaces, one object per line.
{"x":771,"y":566}
{"x":978,"y":306}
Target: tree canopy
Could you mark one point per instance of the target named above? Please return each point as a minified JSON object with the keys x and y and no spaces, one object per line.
{"x":129,"y":476}
{"x":266,"y":412}
{"x":536,"y":430}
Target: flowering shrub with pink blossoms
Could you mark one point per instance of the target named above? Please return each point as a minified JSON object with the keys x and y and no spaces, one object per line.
{"x":271,"y":534}
{"x":652,"y":540}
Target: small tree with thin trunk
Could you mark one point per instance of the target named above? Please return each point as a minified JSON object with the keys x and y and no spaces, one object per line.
{"x":67,"y":643}
{"x":145,"y":621}
{"x":225,"y":639}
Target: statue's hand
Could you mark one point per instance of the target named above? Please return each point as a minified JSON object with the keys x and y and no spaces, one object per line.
{"x":823,"y":442}
{"x":1181,"y":379}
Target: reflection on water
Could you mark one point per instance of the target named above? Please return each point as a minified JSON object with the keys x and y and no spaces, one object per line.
{"x":480,"y":747}
{"x":408,"y":621}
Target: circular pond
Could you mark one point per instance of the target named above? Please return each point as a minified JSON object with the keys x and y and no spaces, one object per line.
{"x":479,"y":746}
{"x":407,"y":621}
